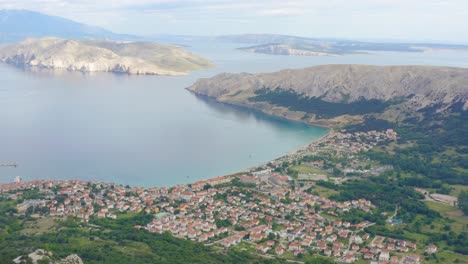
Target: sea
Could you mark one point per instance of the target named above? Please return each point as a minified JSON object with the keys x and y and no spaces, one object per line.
{"x":149,"y":130}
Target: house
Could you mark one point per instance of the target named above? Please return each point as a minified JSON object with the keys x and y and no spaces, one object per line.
{"x":306,"y":242}
{"x":431,"y":249}
{"x":262,"y":248}
{"x":112,"y":216}
{"x":294,"y":246}
{"x":358,"y":240}
{"x":394,"y":260}
{"x":349,"y":258}
{"x":279,"y":250}
{"x":384,"y":255}
{"x":332,"y":238}
{"x":101,"y":215}
{"x":343,"y":234}
{"x":337,"y":223}
{"x":403,"y":249}
{"x":322,"y":245}
{"x":411,"y":259}
{"x":256,"y":237}
{"x":412,"y":245}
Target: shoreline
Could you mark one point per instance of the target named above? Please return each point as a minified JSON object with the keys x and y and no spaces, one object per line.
{"x":294,"y":151}
{"x":323,"y":124}
{"x":330,"y":130}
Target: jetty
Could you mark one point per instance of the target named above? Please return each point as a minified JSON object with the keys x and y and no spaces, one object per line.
{"x":8,"y":165}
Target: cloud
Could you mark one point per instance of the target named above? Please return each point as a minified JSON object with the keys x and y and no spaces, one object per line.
{"x":409,"y":19}
{"x":281,"y":12}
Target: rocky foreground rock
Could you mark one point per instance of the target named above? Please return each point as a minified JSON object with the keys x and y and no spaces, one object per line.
{"x":103,"y":56}
{"x":42,"y":256}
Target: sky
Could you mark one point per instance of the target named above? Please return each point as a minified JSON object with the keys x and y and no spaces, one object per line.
{"x":409,"y":20}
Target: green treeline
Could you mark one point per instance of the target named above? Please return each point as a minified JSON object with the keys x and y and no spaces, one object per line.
{"x":463,"y":202}
{"x":437,"y":153}
{"x":385,"y":193}
{"x":323,"y":109}
{"x":371,"y":123}
{"x":114,"y":241}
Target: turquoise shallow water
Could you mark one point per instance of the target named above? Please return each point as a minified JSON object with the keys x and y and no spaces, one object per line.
{"x":148,"y":130}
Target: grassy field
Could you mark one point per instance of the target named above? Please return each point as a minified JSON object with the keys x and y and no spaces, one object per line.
{"x":244,"y":246}
{"x":457,"y":189}
{"x":446,"y":257}
{"x":323,"y":191}
{"x":441,"y":208}
{"x":460,"y":222}
{"x":448,"y":211}
{"x":40,"y":226}
{"x":306,"y":169}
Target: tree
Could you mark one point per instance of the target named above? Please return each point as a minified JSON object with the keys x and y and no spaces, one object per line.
{"x":463,"y":202}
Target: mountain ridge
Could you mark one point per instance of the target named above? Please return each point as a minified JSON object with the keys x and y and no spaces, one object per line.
{"x":300,"y":93}
{"x":17,"y":25}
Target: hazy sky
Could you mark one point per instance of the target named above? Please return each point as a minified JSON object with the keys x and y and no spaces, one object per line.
{"x":422,"y":20}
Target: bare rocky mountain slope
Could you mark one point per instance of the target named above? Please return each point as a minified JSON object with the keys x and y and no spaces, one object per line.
{"x":417,"y":87}
{"x":103,"y":56}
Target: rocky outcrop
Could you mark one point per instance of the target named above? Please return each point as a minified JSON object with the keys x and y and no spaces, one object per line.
{"x":71,"y":259}
{"x":103,"y":56}
{"x":420,"y":86}
{"x":42,"y":256}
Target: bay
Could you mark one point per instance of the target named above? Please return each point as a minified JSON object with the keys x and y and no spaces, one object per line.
{"x":148,"y":130}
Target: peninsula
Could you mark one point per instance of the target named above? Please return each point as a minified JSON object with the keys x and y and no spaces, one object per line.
{"x":324,"y":94}
{"x":103,"y":56}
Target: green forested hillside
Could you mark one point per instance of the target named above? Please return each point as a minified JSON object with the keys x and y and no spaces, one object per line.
{"x":107,"y":241}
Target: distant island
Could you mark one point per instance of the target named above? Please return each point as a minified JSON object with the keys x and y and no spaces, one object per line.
{"x":103,"y":56}
{"x":288,"y":49}
{"x":292,"y":45}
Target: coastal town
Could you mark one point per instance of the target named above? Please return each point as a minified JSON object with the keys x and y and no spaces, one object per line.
{"x":264,"y":209}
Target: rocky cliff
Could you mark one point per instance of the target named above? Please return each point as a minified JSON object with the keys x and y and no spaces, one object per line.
{"x":103,"y":56}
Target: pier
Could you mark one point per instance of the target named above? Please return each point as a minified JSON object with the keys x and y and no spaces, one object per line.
{"x":8,"y":165}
